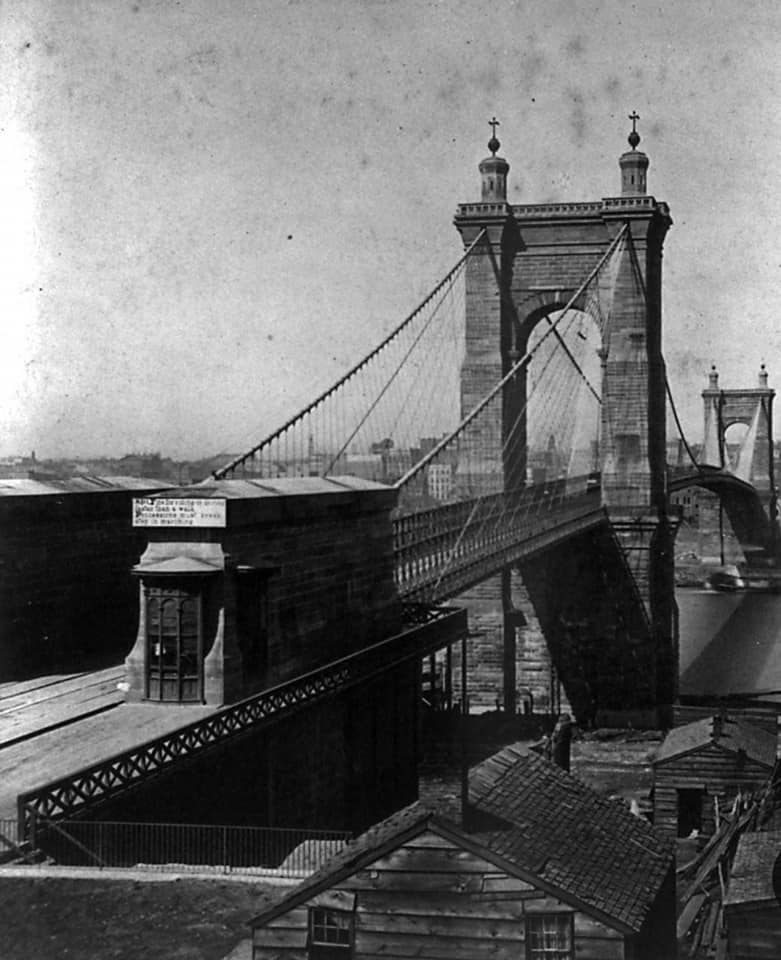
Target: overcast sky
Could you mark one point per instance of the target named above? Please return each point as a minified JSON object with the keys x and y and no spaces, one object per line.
{"x":210,"y":209}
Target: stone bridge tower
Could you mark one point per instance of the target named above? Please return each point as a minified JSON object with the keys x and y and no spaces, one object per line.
{"x":753,"y":408}
{"x":531,"y":262}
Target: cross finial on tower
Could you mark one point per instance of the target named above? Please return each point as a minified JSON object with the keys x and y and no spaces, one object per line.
{"x":493,"y":143}
{"x":634,"y":136}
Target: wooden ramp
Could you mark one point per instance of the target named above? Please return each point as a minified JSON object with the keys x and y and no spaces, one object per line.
{"x":38,"y":759}
{"x":31,"y":707}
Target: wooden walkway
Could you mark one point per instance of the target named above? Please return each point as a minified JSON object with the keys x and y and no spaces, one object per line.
{"x":30,"y":707}
{"x":53,"y":726}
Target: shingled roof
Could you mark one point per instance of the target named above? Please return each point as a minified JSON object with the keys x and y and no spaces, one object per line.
{"x":569,"y":836}
{"x":728,"y":734}
{"x":751,"y":877}
{"x":535,"y":821}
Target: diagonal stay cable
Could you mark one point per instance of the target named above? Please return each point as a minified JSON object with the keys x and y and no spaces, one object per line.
{"x":512,"y":372}
{"x":524,"y":360}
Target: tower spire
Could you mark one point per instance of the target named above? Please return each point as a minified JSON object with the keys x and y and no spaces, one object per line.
{"x":634,"y":164}
{"x":493,"y":170}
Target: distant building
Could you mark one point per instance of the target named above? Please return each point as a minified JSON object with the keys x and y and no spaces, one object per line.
{"x":705,"y":761}
{"x":544,"y":868}
{"x":440,"y":480}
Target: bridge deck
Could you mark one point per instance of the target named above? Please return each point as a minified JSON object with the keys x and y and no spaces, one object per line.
{"x":34,"y":761}
{"x":31,"y":707}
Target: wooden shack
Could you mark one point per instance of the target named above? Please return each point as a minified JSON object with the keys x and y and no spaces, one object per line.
{"x":542,"y":867}
{"x":705,"y":762}
{"x":752,"y":914}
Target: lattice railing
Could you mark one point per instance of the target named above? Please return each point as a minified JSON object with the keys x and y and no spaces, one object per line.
{"x":86,"y":788}
{"x":441,"y":551}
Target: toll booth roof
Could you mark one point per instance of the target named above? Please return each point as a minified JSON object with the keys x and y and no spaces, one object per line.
{"x":250,"y":489}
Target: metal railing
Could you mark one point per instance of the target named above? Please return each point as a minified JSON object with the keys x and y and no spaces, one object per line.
{"x":73,"y":795}
{"x":184,"y":847}
{"x":443,"y":551}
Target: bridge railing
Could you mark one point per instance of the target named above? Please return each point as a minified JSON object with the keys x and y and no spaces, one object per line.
{"x":433,"y":549}
{"x":429,"y":629}
{"x":189,"y":847}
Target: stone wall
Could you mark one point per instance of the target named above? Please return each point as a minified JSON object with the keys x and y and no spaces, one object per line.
{"x":535,"y":677}
{"x":67,"y":600}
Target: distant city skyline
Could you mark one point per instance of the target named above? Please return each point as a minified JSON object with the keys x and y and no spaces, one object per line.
{"x":211,"y":211}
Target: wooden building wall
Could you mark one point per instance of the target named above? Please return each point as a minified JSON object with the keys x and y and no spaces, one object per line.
{"x":430,"y":898}
{"x":711,"y":768}
{"x":754,"y":931}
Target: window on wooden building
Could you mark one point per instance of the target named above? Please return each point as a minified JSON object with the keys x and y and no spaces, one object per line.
{"x":549,"y":937}
{"x":330,"y":933}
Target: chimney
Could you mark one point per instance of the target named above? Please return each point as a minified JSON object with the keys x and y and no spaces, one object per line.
{"x":561,"y":741}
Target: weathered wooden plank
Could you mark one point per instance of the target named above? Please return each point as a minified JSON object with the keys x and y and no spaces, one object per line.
{"x":502,"y":883}
{"x":421,"y":859}
{"x":403,"y":880}
{"x":430,"y":841}
{"x":279,"y":953}
{"x":297,"y":917}
{"x":754,"y":934}
{"x":688,"y":915}
{"x":270,"y":937}
{"x":547,"y":905}
{"x":599,"y":949}
{"x":510,"y":895}
{"x":446,"y":905}
{"x":588,"y":928}
{"x":436,"y":948}
{"x":509,"y":928}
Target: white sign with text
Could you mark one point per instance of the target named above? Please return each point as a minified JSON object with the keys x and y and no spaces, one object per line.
{"x":178,"y":512}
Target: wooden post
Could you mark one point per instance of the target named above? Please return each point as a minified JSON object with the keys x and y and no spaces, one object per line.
{"x":464,"y":745}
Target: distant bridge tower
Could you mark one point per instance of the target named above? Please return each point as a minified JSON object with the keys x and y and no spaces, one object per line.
{"x":753,"y":407}
{"x":531,"y":262}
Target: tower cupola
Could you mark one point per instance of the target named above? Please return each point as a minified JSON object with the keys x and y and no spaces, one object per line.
{"x":493,"y":171}
{"x":634,"y":165}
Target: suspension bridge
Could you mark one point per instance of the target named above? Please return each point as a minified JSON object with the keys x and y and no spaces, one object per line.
{"x":519,"y":412}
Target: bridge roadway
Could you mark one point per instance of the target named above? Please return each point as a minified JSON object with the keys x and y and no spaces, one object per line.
{"x":55,"y":753}
{"x":441,"y":552}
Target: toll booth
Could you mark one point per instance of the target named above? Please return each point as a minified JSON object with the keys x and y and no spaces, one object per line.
{"x":247,"y":583}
